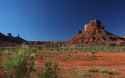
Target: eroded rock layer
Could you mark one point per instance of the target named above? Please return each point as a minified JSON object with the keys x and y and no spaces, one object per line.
{"x":95,"y":33}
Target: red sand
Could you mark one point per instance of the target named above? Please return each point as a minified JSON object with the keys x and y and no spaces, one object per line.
{"x":83,"y":60}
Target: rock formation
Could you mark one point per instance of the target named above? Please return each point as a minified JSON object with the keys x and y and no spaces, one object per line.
{"x":95,"y":33}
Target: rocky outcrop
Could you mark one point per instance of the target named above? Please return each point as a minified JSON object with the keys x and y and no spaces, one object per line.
{"x":95,"y":33}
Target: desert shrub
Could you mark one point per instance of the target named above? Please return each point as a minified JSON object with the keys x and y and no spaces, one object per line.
{"x":18,"y":63}
{"x":97,"y":48}
{"x":93,"y":70}
{"x":108,"y":71}
{"x":50,"y":70}
{"x":105,"y":72}
{"x":87,"y":75}
{"x":21,"y":70}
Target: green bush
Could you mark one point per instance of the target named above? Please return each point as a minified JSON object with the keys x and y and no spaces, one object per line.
{"x":18,"y":62}
{"x":50,"y":71}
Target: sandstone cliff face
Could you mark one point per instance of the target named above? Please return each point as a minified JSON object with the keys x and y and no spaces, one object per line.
{"x":94,"y":26}
{"x":95,"y":33}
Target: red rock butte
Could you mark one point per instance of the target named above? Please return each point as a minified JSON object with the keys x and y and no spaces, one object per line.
{"x":94,"y":33}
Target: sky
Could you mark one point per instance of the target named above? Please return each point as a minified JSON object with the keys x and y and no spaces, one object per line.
{"x":58,"y":19}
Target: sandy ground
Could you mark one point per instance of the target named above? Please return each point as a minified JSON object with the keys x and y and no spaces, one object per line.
{"x":71,"y":61}
{"x":81,"y":60}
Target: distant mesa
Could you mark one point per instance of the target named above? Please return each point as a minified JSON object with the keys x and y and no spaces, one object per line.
{"x":94,"y":33}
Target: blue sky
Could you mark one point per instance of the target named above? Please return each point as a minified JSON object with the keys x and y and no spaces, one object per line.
{"x":58,"y":19}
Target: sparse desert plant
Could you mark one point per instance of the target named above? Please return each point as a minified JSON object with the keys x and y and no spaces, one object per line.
{"x":93,"y":70}
{"x":18,"y":63}
{"x":103,"y":72}
{"x":111,"y":73}
{"x":50,"y":70}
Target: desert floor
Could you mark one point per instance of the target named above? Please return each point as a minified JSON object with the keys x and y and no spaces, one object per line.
{"x":72,"y":64}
